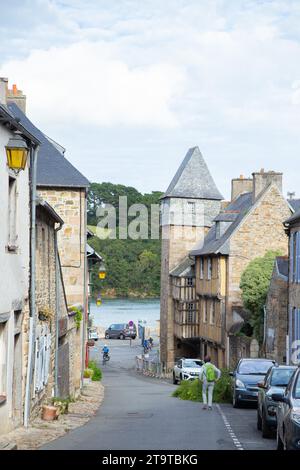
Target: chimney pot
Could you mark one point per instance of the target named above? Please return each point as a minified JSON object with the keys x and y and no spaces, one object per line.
{"x":241,"y":185}
{"x":15,"y":89}
{"x":3,"y":89}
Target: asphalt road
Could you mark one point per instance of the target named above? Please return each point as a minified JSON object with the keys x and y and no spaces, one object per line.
{"x":140,"y":413}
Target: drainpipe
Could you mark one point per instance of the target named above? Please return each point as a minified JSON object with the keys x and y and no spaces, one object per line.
{"x":265,"y":331}
{"x":57,"y":276}
{"x":84,"y":316}
{"x":32,"y":311}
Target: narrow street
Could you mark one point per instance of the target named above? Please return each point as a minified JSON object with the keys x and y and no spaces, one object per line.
{"x":140,"y":413}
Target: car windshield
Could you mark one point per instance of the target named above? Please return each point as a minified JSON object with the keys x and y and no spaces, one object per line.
{"x":297,"y":388}
{"x":254,"y":367}
{"x":192,"y":364}
{"x":281,"y":377}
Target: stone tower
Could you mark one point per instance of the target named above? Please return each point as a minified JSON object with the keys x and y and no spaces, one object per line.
{"x":188,"y":208}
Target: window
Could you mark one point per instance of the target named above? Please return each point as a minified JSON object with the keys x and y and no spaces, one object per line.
{"x":209,"y":269}
{"x":212,"y":313}
{"x":204,"y":311}
{"x":3,"y":360}
{"x":190,"y":282}
{"x":201,"y":268}
{"x":191,"y":207}
{"x":295,"y":257}
{"x":12,"y":213}
{"x":296,"y":325}
{"x":191,"y":313}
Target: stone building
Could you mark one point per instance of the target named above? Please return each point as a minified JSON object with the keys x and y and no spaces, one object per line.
{"x":65,"y":189}
{"x":246,"y":229}
{"x":276,"y":317}
{"x":48,"y":315}
{"x":292,"y":226}
{"x":188,"y":209}
{"x":15,"y":266}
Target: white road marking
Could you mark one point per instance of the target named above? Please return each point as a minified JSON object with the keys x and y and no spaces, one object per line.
{"x":235,"y":440}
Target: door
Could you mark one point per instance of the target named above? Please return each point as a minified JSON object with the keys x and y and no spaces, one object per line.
{"x":17,"y":380}
{"x":63,"y":371}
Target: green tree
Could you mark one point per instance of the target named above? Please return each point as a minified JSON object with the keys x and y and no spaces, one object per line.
{"x":255,"y":282}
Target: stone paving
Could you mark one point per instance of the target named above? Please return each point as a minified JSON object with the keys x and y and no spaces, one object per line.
{"x":40,"y":432}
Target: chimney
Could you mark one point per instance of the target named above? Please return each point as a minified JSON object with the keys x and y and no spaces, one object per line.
{"x":16,"y":96}
{"x":263,"y":179}
{"x":241,"y":185}
{"x":3,"y":89}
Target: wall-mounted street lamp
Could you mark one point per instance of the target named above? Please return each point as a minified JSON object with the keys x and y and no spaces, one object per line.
{"x":16,"y":153}
{"x":102,"y":271}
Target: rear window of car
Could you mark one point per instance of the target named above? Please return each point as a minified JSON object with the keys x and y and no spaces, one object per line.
{"x":192,"y":364}
{"x":281,"y":377}
{"x":254,"y":367}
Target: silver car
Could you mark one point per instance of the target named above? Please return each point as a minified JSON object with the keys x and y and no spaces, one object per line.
{"x":187,"y":369}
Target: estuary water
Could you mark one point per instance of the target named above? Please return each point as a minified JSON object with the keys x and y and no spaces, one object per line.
{"x":124,"y":310}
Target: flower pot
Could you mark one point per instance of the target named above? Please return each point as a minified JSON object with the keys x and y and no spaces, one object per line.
{"x":49,"y":413}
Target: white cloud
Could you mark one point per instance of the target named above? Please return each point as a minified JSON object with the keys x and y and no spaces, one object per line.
{"x":217,"y":73}
{"x":87,"y":82}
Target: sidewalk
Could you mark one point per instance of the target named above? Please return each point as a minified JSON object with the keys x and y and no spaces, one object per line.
{"x":40,"y":432}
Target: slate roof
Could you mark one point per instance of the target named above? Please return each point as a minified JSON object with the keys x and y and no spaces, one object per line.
{"x":295,"y":218}
{"x":236,"y":211}
{"x":92,"y":254}
{"x":193,"y":179}
{"x":282,"y":265}
{"x":6,"y":116}
{"x":295,"y":204}
{"x":53,"y":169}
{"x":184,"y":269}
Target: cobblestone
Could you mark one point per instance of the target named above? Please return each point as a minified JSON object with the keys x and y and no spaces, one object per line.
{"x":40,"y":432}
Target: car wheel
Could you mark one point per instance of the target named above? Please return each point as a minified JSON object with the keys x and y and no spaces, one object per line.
{"x":266,"y":431}
{"x":280,"y":445}
{"x":235,"y":401}
{"x":133,"y":337}
{"x":259,"y":421}
{"x":122,"y":336}
{"x":107,"y":337}
{"x":175,"y":381}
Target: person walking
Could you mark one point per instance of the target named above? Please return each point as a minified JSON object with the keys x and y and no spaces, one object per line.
{"x":210,"y":375}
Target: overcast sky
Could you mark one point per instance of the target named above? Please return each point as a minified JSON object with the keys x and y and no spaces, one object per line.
{"x":127,"y":86}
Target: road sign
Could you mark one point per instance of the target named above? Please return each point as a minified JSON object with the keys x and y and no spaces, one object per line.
{"x":130,"y":324}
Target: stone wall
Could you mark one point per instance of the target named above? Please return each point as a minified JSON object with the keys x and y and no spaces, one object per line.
{"x":70,"y":204}
{"x":177,"y":242}
{"x":262,"y":230}
{"x":277,"y":318}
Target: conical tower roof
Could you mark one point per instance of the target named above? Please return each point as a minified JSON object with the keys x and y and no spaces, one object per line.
{"x":193,"y":179}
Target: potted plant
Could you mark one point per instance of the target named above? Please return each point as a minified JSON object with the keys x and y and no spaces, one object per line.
{"x":87,"y":376}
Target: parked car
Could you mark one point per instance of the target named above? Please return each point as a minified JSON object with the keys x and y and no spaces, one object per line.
{"x":288,"y":414}
{"x":245,"y":380}
{"x":93,"y":334}
{"x":275,"y":381}
{"x":187,"y":369}
{"x":120,"y":331}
